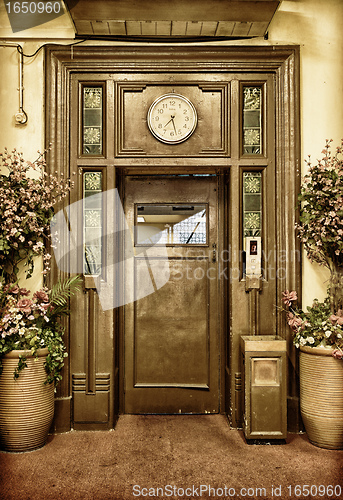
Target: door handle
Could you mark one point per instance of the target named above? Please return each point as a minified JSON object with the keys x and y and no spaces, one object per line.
{"x":214,"y":252}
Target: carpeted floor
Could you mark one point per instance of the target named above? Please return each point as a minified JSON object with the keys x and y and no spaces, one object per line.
{"x":178,"y":457}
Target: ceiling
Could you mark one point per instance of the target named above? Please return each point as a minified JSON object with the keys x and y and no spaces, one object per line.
{"x":171,"y":19}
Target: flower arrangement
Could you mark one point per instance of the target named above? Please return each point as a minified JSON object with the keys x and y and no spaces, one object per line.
{"x":29,"y":321}
{"x":317,"y":326}
{"x":33,"y":323}
{"x":26,"y":209}
{"x":320,"y":227}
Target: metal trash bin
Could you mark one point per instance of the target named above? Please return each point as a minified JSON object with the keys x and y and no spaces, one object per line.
{"x":265,"y":390}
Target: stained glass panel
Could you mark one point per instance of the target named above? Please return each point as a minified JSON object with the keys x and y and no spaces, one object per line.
{"x":252,"y":122}
{"x":92,"y":121}
{"x":252,"y":204}
{"x":92,"y":222}
{"x":171,"y":225}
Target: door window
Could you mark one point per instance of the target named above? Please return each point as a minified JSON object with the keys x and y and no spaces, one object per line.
{"x":171,"y":224}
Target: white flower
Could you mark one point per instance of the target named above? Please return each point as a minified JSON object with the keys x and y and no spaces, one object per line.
{"x":311,"y":340}
{"x":38,"y":245}
{"x":302,"y":341}
{"x":339,"y":335}
{"x":327,"y":333}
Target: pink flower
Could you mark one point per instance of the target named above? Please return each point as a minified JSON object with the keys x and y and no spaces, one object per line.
{"x":14,"y":289}
{"x":294,"y":322}
{"x":289,"y":297}
{"x":24,"y":305}
{"x":337,"y":319}
{"x":42,"y":296}
{"x":338,"y":354}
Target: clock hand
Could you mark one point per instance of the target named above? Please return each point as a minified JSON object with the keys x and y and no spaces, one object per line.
{"x":171,"y":120}
{"x":174,"y":126}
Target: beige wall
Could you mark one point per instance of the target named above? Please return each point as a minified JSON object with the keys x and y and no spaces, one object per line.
{"x":315,"y":25}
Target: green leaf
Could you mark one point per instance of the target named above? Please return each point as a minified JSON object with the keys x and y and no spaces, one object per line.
{"x":62,"y":291}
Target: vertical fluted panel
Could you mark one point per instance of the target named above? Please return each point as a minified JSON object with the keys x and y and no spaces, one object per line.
{"x":321,"y":397}
{"x":26,"y":404}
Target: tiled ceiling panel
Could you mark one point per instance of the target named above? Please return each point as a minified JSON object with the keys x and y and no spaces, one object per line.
{"x":172,"y":18}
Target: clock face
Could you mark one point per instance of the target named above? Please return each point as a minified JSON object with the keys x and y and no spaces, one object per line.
{"x":172,"y":118}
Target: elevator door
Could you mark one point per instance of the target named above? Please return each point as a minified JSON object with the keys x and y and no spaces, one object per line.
{"x":171,"y":330}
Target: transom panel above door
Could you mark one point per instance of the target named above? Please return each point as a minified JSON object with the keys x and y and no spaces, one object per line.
{"x":171,"y":338}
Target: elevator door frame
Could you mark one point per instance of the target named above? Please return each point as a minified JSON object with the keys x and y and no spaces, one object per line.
{"x":282,"y":63}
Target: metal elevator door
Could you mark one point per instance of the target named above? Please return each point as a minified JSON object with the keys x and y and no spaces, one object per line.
{"x":171,"y":329}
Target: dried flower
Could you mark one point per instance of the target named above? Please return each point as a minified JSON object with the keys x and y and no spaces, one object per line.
{"x":320,"y":228}
{"x":26,"y":209}
{"x":29,"y":324}
{"x":338,"y":354}
{"x":289,"y":297}
{"x":41,"y":296}
{"x":315,"y":327}
{"x":24,"y":305}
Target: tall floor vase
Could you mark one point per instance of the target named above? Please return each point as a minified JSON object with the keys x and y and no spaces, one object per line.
{"x":26,"y":404}
{"x":321,"y":397}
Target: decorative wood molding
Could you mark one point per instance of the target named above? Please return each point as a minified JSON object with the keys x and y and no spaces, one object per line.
{"x":168,"y":59}
{"x":120,"y":147}
{"x":91,"y":407}
{"x":225,"y":117}
{"x":183,"y":65}
{"x":288,"y":186}
{"x":130,"y":121}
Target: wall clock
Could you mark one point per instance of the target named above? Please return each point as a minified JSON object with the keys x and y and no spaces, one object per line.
{"x":172,"y":118}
